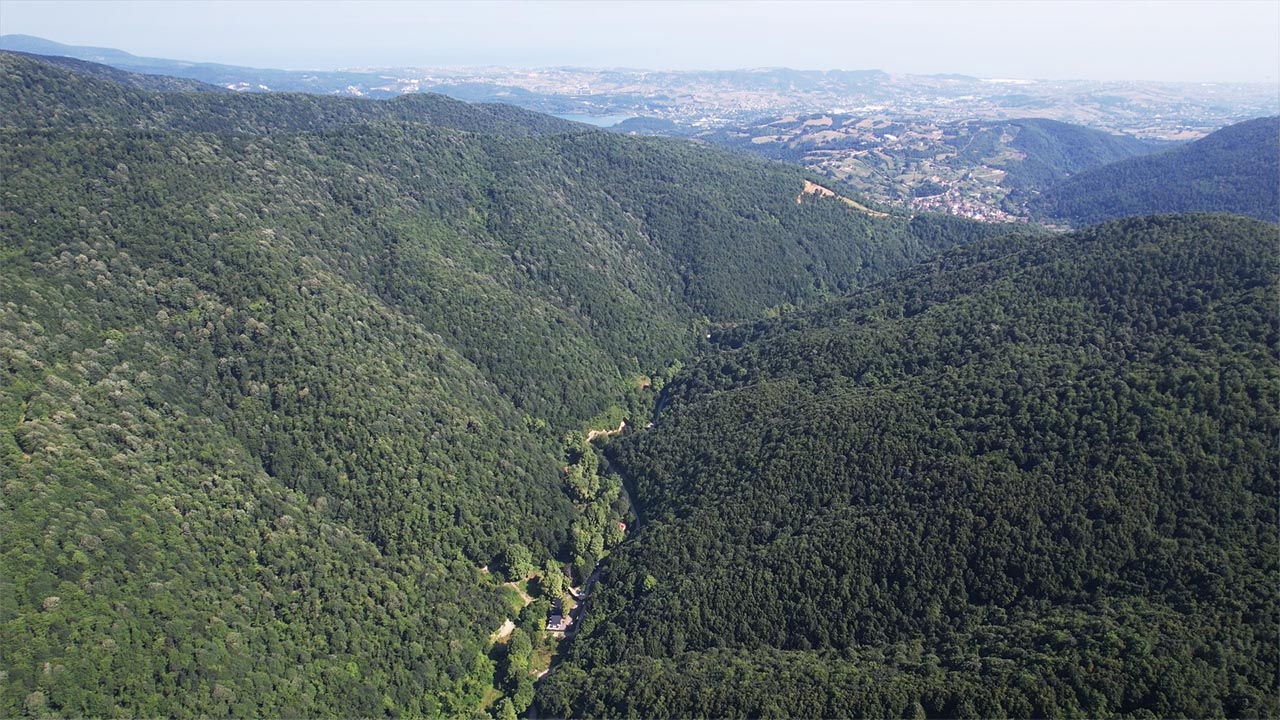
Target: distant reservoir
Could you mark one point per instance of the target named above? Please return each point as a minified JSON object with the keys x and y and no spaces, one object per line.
{"x":603,"y":121}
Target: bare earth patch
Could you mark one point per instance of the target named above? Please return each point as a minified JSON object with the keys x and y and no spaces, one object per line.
{"x":503,"y":632}
{"x":593,"y":434}
{"x":812,"y":188}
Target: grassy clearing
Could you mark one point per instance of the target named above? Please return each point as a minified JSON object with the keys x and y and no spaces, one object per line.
{"x":607,"y":419}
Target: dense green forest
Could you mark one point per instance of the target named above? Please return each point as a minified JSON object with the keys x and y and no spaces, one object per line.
{"x":1053,"y":151}
{"x":157,"y":83}
{"x":280,"y":374}
{"x":63,"y":93}
{"x":1032,"y":477}
{"x":1236,"y":170}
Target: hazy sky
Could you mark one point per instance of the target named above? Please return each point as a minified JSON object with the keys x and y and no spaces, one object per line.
{"x":1116,"y":40}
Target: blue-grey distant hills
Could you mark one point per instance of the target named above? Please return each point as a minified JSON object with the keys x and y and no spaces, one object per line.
{"x":141,"y":81}
{"x":685,"y":101}
{"x":1235,"y":170}
{"x":40,"y":46}
{"x":234,"y":77}
{"x":62,"y":92}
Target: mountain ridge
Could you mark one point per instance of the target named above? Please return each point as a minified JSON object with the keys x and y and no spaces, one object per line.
{"x":1236,"y":169}
{"x":56,"y":96}
{"x":153,"y":83}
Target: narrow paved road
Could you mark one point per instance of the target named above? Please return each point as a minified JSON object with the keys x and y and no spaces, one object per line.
{"x":583,"y":598}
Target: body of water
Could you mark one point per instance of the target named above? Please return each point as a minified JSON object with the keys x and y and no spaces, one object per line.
{"x":603,"y":121}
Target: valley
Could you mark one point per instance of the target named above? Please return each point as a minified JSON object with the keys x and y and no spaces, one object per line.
{"x":1021,"y":170}
{"x":194,"y":283}
{"x":795,"y":394}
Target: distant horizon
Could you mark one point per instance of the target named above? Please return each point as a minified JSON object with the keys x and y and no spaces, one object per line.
{"x":623,"y":68}
{"x":1087,"y":40}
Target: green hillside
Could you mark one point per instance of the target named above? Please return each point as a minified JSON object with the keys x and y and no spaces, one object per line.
{"x":1236,"y":170}
{"x":1030,"y":478}
{"x":282,"y":373}
{"x":40,"y":92}
{"x":255,"y":80}
{"x":1053,"y":151}
{"x":155,"y":83}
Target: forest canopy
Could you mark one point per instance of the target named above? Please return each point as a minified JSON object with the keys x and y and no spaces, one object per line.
{"x":1030,"y":477}
{"x":282,"y":375}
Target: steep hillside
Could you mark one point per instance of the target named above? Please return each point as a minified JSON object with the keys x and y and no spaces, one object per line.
{"x":1236,"y":170}
{"x":281,"y":373}
{"x":1052,"y":151}
{"x":1033,"y":477}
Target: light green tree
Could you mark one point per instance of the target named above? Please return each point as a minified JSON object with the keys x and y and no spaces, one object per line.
{"x":516,"y":562}
{"x":505,"y":710}
{"x":552,"y":580}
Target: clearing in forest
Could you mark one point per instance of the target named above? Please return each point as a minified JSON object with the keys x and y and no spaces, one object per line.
{"x":812,"y":188}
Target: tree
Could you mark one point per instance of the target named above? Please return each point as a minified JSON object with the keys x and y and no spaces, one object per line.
{"x":515,"y":666}
{"x":519,"y":649}
{"x":516,"y":562}
{"x":582,"y":478}
{"x":505,"y":710}
{"x":533,"y":618}
{"x":552,"y":580}
{"x":522,"y":698}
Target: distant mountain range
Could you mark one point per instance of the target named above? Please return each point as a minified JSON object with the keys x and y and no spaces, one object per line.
{"x":233,"y":77}
{"x":141,"y":81}
{"x":710,"y":99}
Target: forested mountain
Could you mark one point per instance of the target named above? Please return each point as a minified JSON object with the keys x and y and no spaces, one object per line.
{"x":1236,"y":170}
{"x":40,"y":92}
{"x":156,"y":83}
{"x":281,"y":373}
{"x":248,"y":79}
{"x":1033,"y":477}
{"x":1055,"y":150}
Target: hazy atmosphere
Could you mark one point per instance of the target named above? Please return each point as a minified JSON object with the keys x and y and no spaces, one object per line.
{"x":517,"y":360}
{"x":1187,"y":41}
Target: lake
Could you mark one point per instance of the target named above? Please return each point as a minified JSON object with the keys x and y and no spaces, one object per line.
{"x":603,"y":121}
